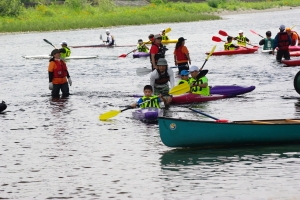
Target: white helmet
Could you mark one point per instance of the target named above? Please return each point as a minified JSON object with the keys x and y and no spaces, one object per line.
{"x":107,"y":32}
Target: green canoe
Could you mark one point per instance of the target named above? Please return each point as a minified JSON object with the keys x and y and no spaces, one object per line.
{"x":192,"y":133}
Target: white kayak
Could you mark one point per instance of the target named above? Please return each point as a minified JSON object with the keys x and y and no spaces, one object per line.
{"x":67,"y":58}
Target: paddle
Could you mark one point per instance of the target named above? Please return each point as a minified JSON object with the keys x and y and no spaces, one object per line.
{"x":124,"y":55}
{"x":256,"y":33}
{"x":223,"y":33}
{"x":211,"y":52}
{"x":144,"y":71}
{"x":167,"y":30}
{"x":112,"y":113}
{"x":49,"y":43}
{"x":217,"y":120}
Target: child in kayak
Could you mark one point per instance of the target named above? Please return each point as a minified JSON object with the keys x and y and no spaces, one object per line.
{"x":229,"y":45}
{"x":149,"y":100}
{"x":241,"y":39}
{"x":141,"y":47}
{"x":184,"y":77}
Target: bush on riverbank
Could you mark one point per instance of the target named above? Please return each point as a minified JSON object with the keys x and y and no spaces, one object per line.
{"x":77,"y":14}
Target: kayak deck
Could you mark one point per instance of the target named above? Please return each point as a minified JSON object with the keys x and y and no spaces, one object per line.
{"x":241,"y":50}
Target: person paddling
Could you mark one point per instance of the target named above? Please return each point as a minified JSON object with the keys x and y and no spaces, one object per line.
{"x":58,"y":75}
{"x":229,"y":45}
{"x":160,"y":79}
{"x":241,"y":39}
{"x":110,"y":41}
{"x":164,"y":35}
{"x":294,"y":36}
{"x":181,"y":55}
{"x":141,"y":47}
{"x":199,"y":86}
{"x":282,"y":41}
{"x":184,"y":77}
{"x":65,"y":50}
{"x":268,"y":42}
{"x":154,"y":100}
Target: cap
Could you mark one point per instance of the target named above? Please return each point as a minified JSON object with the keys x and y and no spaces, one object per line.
{"x":162,"y":30}
{"x":64,"y":42}
{"x":107,"y":31}
{"x":55,"y":51}
{"x":288,"y":29}
{"x":240,"y":31}
{"x":193,"y":68}
{"x":184,"y":73}
{"x":181,"y":39}
{"x":282,"y":27}
{"x":140,"y":40}
{"x":162,"y":61}
{"x":157,"y":36}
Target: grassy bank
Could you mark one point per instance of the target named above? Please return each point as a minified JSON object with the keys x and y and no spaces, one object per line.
{"x":65,"y":17}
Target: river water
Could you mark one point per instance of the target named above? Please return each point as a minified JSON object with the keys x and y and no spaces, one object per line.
{"x":58,"y":148}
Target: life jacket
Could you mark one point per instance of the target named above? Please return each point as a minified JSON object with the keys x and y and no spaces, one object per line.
{"x":161,"y":52}
{"x":141,"y":48}
{"x":283,"y":41}
{"x":241,"y":40}
{"x":180,"y":56}
{"x":164,"y":37}
{"x":112,"y":40}
{"x":269,"y":44}
{"x":294,"y":41}
{"x":163,"y":78}
{"x":183,"y":81}
{"x":67,"y":54}
{"x":227,"y":46}
{"x":199,"y":90}
{"x":153,"y":103}
{"x":61,"y":69}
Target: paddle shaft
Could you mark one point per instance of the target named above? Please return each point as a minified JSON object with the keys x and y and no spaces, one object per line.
{"x":49,"y":43}
{"x":202,"y":113}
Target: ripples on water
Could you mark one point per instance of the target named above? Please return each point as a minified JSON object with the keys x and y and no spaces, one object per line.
{"x":58,"y":149}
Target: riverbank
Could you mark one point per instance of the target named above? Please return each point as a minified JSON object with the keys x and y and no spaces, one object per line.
{"x":108,"y":14}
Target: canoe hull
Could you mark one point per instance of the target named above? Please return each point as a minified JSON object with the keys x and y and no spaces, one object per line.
{"x":233,"y":52}
{"x":291,"y":63}
{"x":67,"y":58}
{"x":173,"y":133}
{"x":217,"y":92}
{"x":148,"y":115}
{"x":140,"y":54}
{"x":294,"y":48}
{"x":295,"y":53}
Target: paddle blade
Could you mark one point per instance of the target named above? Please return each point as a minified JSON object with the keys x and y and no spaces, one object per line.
{"x":253,"y":32}
{"x":167,"y":30}
{"x":143,"y":71}
{"x":180,"y":89}
{"x":100,"y":36}
{"x":123,"y":56}
{"x":109,"y":114}
{"x":201,"y":74}
{"x":216,"y":39}
{"x":223,"y":33}
{"x":211,"y":52}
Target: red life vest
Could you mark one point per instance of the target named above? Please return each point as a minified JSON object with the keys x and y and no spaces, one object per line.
{"x":283,"y":41}
{"x":163,"y":78}
{"x":61,"y":69}
{"x":179,"y":55}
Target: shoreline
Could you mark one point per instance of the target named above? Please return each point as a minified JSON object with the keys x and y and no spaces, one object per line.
{"x":228,"y":12}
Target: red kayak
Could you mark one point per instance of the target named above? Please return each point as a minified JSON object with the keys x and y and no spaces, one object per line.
{"x":295,"y":53}
{"x":291,"y":63}
{"x":192,"y":98}
{"x":241,"y":50}
{"x":101,"y":45}
{"x":294,"y":48}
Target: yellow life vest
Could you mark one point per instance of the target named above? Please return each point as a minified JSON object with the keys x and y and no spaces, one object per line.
{"x":153,"y":103}
{"x":199,"y":90}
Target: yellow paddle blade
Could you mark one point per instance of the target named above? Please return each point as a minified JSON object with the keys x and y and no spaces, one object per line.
{"x":180,"y":89}
{"x":212,"y":50}
{"x":109,"y":114}
{"x":293,"y":27}
{"x":167,"y":30}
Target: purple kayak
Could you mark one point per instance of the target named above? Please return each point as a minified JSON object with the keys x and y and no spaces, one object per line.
{"x":147,"y":114}
{"x":140,"y":54}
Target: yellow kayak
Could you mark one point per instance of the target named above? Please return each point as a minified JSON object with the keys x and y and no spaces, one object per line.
{"x":165,"y":41}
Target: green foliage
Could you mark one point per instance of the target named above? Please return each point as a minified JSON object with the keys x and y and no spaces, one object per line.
{"x":77,"y":4}
{"x":106,"y":5}
{"x":215,"y":3}
{"x":10,"y":7}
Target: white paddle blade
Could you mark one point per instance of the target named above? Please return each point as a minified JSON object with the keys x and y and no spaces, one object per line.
{"x":143,"y":71}
{"x":100,"y":36}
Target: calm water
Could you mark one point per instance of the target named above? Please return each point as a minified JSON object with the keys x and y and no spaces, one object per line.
{"x":58,"y":149}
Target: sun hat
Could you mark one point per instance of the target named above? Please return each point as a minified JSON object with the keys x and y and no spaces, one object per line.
{"x":162,"y":61}
{"x":64,"y":42}
{"x":55,"y":51}
{"x":157,"y":36}
{"x":193,"y":68}
{"x":282,"y":27}
{"x":184,"y":73}
{"x":240,"y":31}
